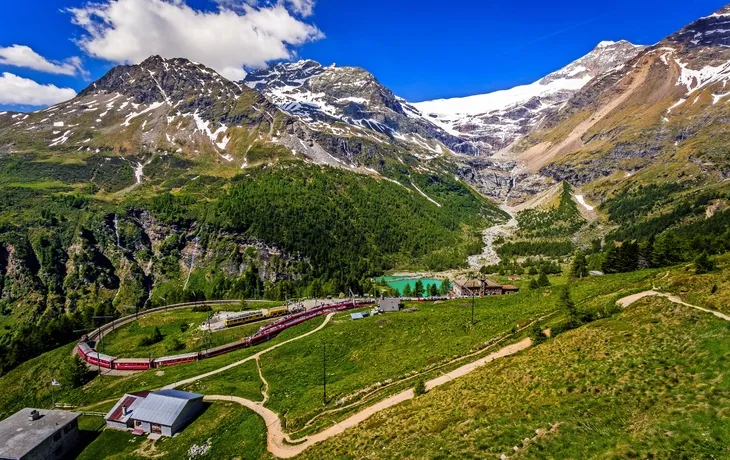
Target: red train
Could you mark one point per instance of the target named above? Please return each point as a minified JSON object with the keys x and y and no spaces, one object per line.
{"x":265,"y":333}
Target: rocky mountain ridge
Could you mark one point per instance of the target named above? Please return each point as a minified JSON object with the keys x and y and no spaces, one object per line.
{"x":493,"y":121}
{"x":322,"y":96}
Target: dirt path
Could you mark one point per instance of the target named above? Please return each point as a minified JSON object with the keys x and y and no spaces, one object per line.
{"x":265,"y":388}
{"x":626,"y":301}
{"x":252,"y":357}
{"x":279,"y":443}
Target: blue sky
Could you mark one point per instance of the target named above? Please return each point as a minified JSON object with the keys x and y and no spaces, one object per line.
{"x":422,"y":49}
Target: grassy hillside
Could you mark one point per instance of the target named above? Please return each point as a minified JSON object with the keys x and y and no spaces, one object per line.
{"x":180,"y":330}
{"x":648,"y":382}
{"x":70,"y":250}
{"x":224,"y":429}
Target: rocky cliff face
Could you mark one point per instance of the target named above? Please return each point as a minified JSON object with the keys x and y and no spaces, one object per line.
{"x":123,"y":258}
{"x":324,"y":96}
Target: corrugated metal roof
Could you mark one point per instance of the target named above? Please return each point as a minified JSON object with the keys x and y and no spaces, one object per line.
{"x":163,"y":407}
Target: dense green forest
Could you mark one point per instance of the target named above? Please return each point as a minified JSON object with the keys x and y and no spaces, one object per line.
{"x":281,"y":231}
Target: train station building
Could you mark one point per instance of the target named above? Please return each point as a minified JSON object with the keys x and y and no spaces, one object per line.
{"x":164,"y":412}
{"x":36,"y":434}
{"x":482,"y":287}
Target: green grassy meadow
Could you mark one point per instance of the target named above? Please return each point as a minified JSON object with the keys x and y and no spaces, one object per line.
{"x":125,"y":341}
{"x":646,"y":383}
{"x":226,"y":428}
{"x":617,"y":385}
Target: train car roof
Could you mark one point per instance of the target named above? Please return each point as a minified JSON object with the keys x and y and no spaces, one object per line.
{"x":173,"y":358}
{"x":97,"y":355}
{"x":131,"y":360}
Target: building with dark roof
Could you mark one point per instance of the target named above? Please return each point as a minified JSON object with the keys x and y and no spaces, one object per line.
{"x":481,"y":288}
{"x":36,"y":434}
{"x":163,"y":412}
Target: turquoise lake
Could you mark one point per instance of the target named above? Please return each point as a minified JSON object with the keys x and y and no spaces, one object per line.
{"x":400,"y":283}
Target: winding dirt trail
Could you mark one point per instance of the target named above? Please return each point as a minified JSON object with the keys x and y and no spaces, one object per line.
{"x":265,"y":388}
{"x":250,"y":358}
{"x":628,"y":300}
{"x":280,"y":444}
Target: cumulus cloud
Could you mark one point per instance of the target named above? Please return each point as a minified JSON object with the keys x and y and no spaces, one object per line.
{"x":229,"y":39}
{"x":24,"y":56}
{"x":15,"y":90}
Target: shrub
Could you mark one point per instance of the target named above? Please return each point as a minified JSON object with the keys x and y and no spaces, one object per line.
{"x":76,"y":373}
{"x":175,"y":345}
{"x":704,"y":264}
{"x":202,"y":308}
{"x":156,"y":337}
{"x":537,"y":335}
{"x":714,"y":288}
{"x":420,"y":388}
{"x":184,"y":327}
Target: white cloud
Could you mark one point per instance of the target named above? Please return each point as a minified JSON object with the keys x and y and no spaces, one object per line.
{"x":15,"y":90}
{"x":129,"y":31}
{"x":301,"y":7}
{"x":24,"y":56}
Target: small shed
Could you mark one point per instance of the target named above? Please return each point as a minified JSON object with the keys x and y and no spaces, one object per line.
{"x":388,"y":305}
{"x":164,"y":412}
{"x":36,"y":434}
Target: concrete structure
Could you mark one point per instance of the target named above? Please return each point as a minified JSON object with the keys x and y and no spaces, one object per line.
{"x":389,"y":305}
{"x":164,"y":412}
{"x":482,"y":287}
{"x":35,"y":434}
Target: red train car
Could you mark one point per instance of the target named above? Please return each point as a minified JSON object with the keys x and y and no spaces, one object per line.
{"x":83,"y":350}
{"x":98,"y":359}
{"x":134,"y":364}
{"x":175,"y":360}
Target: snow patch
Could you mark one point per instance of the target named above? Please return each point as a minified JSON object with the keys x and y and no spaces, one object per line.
{"x":582,"y":201}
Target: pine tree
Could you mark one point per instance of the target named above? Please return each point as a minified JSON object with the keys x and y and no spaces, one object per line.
{"x":445,"y":287}
{"x":537,"y":335}
{"x":704,"y":264}
{"x":420,"y":388}
{"x":418,"y":290}
{"x":667,"y":250}
{"x":565,"y":303}
{"x":434,"y":291}
{"x":407,"y":291}
{"x":157,"y":335}
{"x":579,"y":267}
{"x":76,"y":373}
{"x":543,"y":280}
{"x":534,"y":284}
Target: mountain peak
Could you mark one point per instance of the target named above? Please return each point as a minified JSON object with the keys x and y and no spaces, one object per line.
{"x":712,"y":31}
{"x":159,"y":79}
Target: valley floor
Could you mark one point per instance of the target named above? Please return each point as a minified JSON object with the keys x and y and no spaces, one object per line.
{"x":655,"y":367}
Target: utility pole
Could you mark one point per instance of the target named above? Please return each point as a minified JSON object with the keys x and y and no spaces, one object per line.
{"x":324,"y":373}
{"x":473,"y":301}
